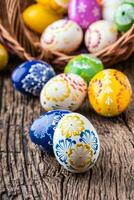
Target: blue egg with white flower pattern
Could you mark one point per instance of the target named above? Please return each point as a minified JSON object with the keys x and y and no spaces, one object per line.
{"x":30,"y":77}
{"x":42,"y":130}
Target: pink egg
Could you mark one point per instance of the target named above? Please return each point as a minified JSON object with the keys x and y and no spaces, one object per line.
{"x":84,"y":12}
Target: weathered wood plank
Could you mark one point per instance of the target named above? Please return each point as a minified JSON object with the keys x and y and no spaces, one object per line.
{"x":26,"y":173}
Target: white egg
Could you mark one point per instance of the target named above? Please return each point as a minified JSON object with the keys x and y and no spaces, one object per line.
{"x":62,"y":36}
{"x":76,"y":143}
{"x":109,"y":9}
{"x":100,"y":35}
{"x":64,"y":91}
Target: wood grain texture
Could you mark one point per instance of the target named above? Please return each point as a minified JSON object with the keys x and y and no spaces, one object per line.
{"x":28,"y":174}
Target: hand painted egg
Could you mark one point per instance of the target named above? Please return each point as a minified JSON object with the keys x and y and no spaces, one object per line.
{"x":109,"y":9}
{"x":60,"y":6}
{"x":59,"y":36}
{"x":65,"y":91}
{"x":37,"y":17}
{"x":85,"y":66}
{"x":31,"y":76}
{"x":100,"y":35}
{"x":124,"y":17}
{"x":76,"y":144}
{"x":3,"y":57}
{"x":109,"y":92}
{"x":84,"y":12}
{"x":42,"y":130}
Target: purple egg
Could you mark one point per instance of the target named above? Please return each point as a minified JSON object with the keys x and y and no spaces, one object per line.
{"x":84,"y":12}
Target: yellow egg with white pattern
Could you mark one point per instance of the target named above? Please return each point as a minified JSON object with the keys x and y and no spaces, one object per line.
{"x":109,"y":92}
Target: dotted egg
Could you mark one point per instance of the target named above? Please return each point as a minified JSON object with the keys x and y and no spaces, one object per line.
{"x":100,"y":35}
{"x":64,"y":91}
{"x":109,"y":92}
{"x":76,"y":144}
{"x":62,"y":36}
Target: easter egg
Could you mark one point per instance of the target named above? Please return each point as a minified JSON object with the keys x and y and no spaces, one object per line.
{"x":3,"y":57}
{"x":37,"y":17}
{"x":60,"y":6}
{"x":84,"y":12}
{"x":109,"y":9}
{"x":129,"y":2}
{"x":64,"y":91}
{"x":100,"y":35}
{"x":42,"y":129}
{"x":76,"y":143}
{"x":109,"y":92}
{"x":59,"y":36}
{"x":31,"y":76}
{"x":85,"y":66}
{"x":124,"y":17}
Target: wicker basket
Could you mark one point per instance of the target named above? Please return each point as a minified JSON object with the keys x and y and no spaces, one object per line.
{"x":24,"y":43}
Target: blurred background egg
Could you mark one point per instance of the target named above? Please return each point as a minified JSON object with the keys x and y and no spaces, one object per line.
{"x":76,"y":143}
{"x":129,"y":2}
{"x":3,"y":57}
{"x":109,"y":9}
{"x":31,"y":76}
{"x":37,"y":17}
{"x":84,"y":12}
{"x":64,"y":91}
{"x":124,"y":17}
{"x":85,"y":66}
{"x":42,"y":129}
{"x":100,"y":35}
{"x":62,"y":36}
{"x":60,"y":6}
{"x":109,"y":92}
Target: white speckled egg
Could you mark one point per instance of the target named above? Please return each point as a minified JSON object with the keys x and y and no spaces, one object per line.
{"x":109,"y":9}
{"x":76,"y":143}
{"x":100,"y":35}
{"x":62,"y":36}
{"x":64,"y":91}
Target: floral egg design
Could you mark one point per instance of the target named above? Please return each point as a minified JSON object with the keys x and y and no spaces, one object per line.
{"x":64,"y":91}
{"x":109,"y":92}
{"x":85,"y":66}
{"x":84,"y":12}
{"x":100,"y":35}
{"x":31,"y":76}
{"x":58,"y":36}
{"x":76,"y":144}
{"x":42,"y":130}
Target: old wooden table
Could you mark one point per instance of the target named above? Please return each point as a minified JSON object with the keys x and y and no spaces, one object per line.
{"x":26,"y":173}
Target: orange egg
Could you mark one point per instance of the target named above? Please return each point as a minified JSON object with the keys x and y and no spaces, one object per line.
{"x":3,"y":57}
{"x":37,"y":17}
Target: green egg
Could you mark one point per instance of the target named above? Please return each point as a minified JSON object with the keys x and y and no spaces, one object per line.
{"x":129,"y":2}
{"x":84,"y":65}
{"x":124,"y":17}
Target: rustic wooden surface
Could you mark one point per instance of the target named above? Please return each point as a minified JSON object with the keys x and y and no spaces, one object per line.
{"x":26,"y":173}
